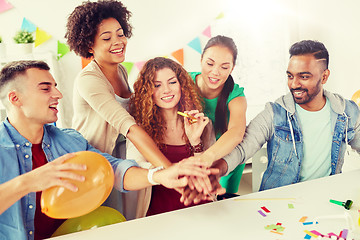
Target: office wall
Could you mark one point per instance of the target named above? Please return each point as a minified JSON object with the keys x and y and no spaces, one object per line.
{"x":337,"y":24}
{"x":262,"y":29}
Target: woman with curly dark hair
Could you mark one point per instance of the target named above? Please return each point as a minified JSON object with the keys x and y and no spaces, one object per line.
{"x":162,"y":89}
{"x":101,"y":91}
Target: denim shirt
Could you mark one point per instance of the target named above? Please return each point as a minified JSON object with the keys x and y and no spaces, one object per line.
{"x":278,"y":126}
{"x":17,"y":222}
{"x":285,"y":147}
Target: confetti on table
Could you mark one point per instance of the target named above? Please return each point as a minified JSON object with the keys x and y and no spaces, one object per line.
{"x":290,"y":205}
{"x":275,"y":228}
{"x":307,"y":236}
{"x":303,"y":219}
{"x":310,"y":233}
{"x":316,"y":233}
{"x":276,"y":232}
{"x":309,"y":223}
{"x":262,"y":214}
{"x":344,"y":234}
{"x":265,"y":209}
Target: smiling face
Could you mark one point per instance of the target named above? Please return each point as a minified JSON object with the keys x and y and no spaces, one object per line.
{"x":110,"y":42}
{"x":38,"y":97}
{"x":167,"y":90}
{"x":216,"y":66}
{"x":306,"y":76}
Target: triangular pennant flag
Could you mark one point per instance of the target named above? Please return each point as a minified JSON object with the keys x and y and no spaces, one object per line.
{"x":41,"y":37}
{"x":195,"y":44}
{"x":139,"y":65}
{"x":221,"y":15}
{"x":179,"y":56}
{"x":28,"y":26}
{"x":85,"y":61}
{"x":62,"y":49}
{"x":128,"y":66}
{"x":4,"y":6}
{"x":207,"y":32}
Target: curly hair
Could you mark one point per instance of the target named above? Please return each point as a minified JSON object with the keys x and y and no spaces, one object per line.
{"x":142,"y":106}
{"x":83,"y":23}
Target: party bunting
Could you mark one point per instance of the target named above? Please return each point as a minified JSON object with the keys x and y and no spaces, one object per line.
{"x":139,"y":65}
{"x":195,"y":44}
{"x":28,"y":26}
{"x":85,"y":61}
{"x":4,"y":6}
{"x":179,"y":56}
{"x":128,"y":66}
{"x":221,"y":15}
{"x":207,"y":32}
{"x":41,"y":37}
{"x":62,"y":49}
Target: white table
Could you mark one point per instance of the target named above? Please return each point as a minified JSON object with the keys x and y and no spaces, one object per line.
{"x":238,"y":218}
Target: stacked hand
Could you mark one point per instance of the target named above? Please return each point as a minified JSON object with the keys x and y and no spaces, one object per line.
{"x":192,"y":178}
{"x":206,"y":188}
{"x":178,"y":174}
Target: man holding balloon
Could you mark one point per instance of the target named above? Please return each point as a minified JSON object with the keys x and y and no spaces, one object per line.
{"x":36,"y":156}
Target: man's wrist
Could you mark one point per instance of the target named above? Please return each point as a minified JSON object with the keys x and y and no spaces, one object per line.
{"x":221,"y":164}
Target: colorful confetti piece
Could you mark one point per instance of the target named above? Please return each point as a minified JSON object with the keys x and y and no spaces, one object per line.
{"x":265,"y":209}
{"x":276,"y":227}
{"x":310,"y":233}
{"x":277,"y":232}
{"x":290,"y":205}
{"x":344,"y":233}
{"x":316,"y":233}
{"x":303,"y":219}
{"x":262,"y":214}
{"x":307,"y":236}
{"x":333,"y":234}
{"x":309,"y":223}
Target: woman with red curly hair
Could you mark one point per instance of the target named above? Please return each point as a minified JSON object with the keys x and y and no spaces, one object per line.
{"x":162,"y":89}
{"x":99,"y":30}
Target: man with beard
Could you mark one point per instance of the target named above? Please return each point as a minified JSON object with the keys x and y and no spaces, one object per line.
{"x":307,"y":130}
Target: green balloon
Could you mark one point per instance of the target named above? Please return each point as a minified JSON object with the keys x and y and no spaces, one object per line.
{"x":101,"y":216}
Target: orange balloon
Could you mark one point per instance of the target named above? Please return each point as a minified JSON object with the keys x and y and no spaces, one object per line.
{"x":356,"y":97}
{"x":59,"y":202}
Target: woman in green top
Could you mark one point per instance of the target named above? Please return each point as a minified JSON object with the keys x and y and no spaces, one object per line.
{"x":225,"y":103}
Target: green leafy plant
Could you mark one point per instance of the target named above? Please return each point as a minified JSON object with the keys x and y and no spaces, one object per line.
{"x":23,"y":36}
{"x":0,"y":39}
